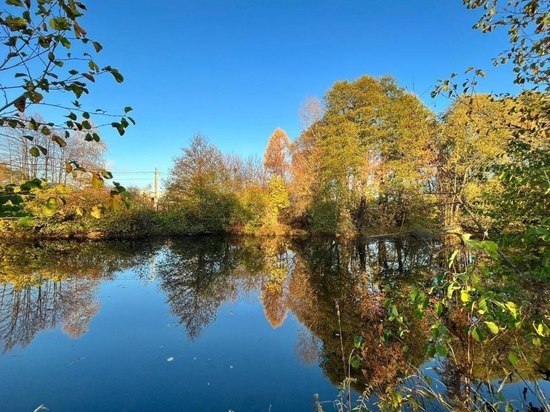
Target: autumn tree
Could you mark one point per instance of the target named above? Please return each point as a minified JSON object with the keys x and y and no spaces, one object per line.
{"x":523,"y":178}
{"x":277,"y":153}
{"x":370,"y":151}
{"x":471,"y":144}
{"x":200,"y":185}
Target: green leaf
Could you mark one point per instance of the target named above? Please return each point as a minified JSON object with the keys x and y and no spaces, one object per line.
{"x":452,"y":258}
{"x":513,"y":358}
{"x":34,"y":152}
{"x":15,"y":23}
{"x":93,"y":66}
{"x":60,"y":23}
{"x":482,"y":306}
{"x":492,"y":327}
{"x":441,"y":350}
{"x":464,"y":296}
{"x":512,"y":308}
{"x":540,"y":329}
{"x":116,"y":74}
{"x":65,"y":42}
{"x":357,"y":340}
{"x":476,"y":335}
{"x":394,"y":310}
{"x":491,"y":248}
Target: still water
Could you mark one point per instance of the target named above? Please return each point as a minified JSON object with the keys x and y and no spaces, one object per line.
{"x":201,"y":323}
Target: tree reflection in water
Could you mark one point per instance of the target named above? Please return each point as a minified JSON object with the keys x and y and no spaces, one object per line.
{"x":48,"y":284}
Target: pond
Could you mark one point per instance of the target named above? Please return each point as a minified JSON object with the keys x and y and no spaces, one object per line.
{"x":210,"y":324}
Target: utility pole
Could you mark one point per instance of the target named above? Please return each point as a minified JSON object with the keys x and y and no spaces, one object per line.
{"x":156,"y":193}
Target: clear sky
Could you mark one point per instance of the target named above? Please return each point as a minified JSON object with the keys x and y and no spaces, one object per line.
{"x":237,"y":69}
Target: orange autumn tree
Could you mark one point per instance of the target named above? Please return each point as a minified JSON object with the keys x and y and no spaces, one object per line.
{"x":277,"y":165}
{"x":277,"y":153}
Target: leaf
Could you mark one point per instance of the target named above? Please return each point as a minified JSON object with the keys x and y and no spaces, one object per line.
{"x":20,"y":104}
{"x":97,"y":46}
{"x":492,"y":327}
{"x":34,"y":152}
{"x":513,"y":358}
{"x":89,"y":77}
{"x":96,"y":212}
{"x":491,"y":248}
{"x":357,"y":340}
{"x":116,"y":74}
{"x":540,"y":330}
{"x":35,"y":97}
{"x":441,"y":350}
{"x":106,"y":174}
{"x":60,"y":141}
{"x":476,"y":335}
{"x":15,"y":23}
{"x":464,"y":296}
{"x":482,"y":306}
{"x":512,"y":308}
{"x":452,"y":258}
{"x":60,"y":23}
{"x":97,"y":181}
{"x":394,"y":310}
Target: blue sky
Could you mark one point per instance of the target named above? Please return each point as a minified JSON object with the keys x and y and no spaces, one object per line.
{"x":235,"y":70}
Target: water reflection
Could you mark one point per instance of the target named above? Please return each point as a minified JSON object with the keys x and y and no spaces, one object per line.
{"x":336,"y":290}
{"x":46,"y":284}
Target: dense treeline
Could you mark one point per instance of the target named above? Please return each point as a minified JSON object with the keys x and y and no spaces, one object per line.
{"x":371,"y":158}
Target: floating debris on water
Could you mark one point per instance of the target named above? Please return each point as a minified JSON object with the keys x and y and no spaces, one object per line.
{"x":77,"y":360}
{"x":170,"y":359}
